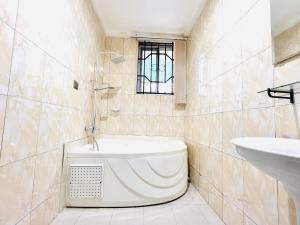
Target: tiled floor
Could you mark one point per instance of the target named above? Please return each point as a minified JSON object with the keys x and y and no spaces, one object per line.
{"x":190,"y":209}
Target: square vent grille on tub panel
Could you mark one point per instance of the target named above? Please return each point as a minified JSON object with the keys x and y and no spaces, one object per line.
{"x":86,"y":181}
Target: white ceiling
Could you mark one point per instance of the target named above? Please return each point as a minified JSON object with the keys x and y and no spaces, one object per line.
{"x":284,"y":14}
{"x":128,"y":17}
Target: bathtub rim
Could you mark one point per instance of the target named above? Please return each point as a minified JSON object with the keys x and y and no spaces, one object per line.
{"x":85,"y":150}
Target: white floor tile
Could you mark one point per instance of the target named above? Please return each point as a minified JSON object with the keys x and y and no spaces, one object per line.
{"x":94,"y":219}
{"x":190,"y":209}
{"x":127,"y":216}
{"x":191,"y":197}
{"x":161,"y":214}
{"x":189,"y":215}
{"x":67,"y":217}
{"x":210,"y":215}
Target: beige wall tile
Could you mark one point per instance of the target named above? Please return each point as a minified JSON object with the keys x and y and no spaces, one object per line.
{"x":140,"y":104}
{"x":287,"y":128}
{"x":128,"y":84}
{"x":204,"y":99}
{"x":257,"y":76}
{"x":21,"y":129}
{"x":260,"y":193}
{"x":215,"y":101}
{"x":113,"y":124}
{"x":117,"y":45}
{"x":153,"y":104}
{"x":27,"y":71}
{"x":153,"y":124}
{"x":127,"y":103}
{"x":256,"y":21}
{"x":8,"y":11}
{"x":45,"y":213}
{"x":231,"y":128}
{"x":16,"y":190}
{"x":50,"y":136}
{"x":194,"y":176}
{"x":166,"y":105}
{"x":25,"y":221}
{"x":215,"y":131}
{"x":233,"y":180}
{"x":232,"y":90}
{"x":232,"y":215}
{"x":54,"y":82}
{"x":165,"y":125}
{"x":205,"y":132}
{"x":2,"y":115}
{"x":203,"y":187}
{"x":195,"y":150}
{"x":178,"y":126}
{"x":216,"y":167}
{"x":286,"y":207}
{"x":130,"y":47}
{"x":126,"y":124}
{"x":248,"y":221}
{"x":216,"y":201}
{"x":258,"y":122}
{"x":232,"y":14}
{"x":45,"y":175}
{"x":140,"y":125}
{"x":204,"y":164}
{"x":6,"y":45}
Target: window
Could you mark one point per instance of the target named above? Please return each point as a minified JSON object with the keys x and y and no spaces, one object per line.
{"x":155,"y":68}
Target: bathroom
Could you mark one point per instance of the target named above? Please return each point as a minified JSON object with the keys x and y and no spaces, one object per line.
{"x":90,"y":137}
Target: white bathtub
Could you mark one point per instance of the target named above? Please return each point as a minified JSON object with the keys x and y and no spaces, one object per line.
{"x":132,"y":171}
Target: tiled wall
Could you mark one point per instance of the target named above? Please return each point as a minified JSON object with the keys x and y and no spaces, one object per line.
{"x":151,"y":115}
{"x":229,"y":61}
{"x":44,"y":46}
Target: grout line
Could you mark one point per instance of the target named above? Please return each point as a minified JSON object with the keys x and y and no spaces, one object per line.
{"x":277,"y":192}
{"x":28,"y":157}
{"x":33,"y":183}
{"x":8,"y":84}
{"x":31,"y":210}
{"x":6,"y":23}
{"x":28,"y":39}
{"x":111,"y":216}
{"x":143,"y":210}
{"x":78,"y":218}
{"x":173,"y":213}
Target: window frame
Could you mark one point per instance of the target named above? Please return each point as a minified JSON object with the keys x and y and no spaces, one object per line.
{"x":155,"y":49}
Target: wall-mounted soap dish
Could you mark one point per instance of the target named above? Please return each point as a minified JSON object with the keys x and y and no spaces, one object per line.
{"x":287,"y":91}
{"x":113,"y":112}
{"x":108,"y":89}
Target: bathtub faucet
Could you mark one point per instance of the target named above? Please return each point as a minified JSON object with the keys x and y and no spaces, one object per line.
{"x":92,"y":130}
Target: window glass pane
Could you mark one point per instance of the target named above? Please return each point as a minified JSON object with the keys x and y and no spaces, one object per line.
{"x":169,"y":69}
{"x":162,"y":69}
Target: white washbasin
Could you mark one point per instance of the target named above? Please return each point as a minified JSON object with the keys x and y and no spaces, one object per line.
{"x":278,"y":157}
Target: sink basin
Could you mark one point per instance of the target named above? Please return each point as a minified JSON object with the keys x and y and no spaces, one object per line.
{"x":278,"y":157}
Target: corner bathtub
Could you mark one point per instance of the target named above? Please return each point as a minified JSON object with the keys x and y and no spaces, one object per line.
{"x":126,"y":171}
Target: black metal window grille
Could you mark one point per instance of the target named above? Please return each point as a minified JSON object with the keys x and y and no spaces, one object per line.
{"x":155,"y":68}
